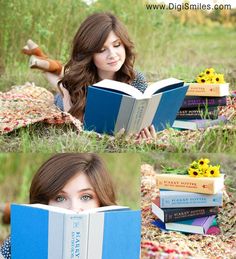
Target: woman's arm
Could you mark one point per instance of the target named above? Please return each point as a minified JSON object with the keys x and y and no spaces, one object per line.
{"x":66,"y":98}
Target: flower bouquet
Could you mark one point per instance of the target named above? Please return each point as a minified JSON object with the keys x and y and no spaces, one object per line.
{"x":200,"y":177}
{"x":209,"y":83}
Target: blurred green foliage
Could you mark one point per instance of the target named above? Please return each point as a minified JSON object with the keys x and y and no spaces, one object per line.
{"x":168,"y":43}
{"x":17,"y":170}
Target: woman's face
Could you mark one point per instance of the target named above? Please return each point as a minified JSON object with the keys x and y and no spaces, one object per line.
{"x":77,"y":195}
{"x":110,"y":58}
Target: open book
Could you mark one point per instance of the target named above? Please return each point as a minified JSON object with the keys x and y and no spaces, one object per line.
{"x":46,"y":232}
{"x":113,"y":105}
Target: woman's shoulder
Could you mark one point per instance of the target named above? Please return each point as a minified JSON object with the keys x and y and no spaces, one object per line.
{"x":140,"y":81}
{"x":5,"y":249}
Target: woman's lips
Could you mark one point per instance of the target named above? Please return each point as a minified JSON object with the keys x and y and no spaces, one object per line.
{"x":113,"y":63}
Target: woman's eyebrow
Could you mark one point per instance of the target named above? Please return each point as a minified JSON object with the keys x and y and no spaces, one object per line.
{"x":114,"y":41}
{"x":118,"y":39}
{"x":86,"y":189}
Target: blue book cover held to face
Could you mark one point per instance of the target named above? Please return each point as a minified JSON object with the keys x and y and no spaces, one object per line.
{"x":111,"y":106}
{"x":46,"y":232}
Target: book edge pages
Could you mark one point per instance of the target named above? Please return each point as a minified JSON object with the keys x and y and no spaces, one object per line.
{"x":154,"y":87}
{"x":119,"y":86}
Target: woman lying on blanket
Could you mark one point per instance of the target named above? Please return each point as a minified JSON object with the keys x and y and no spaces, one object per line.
{"x":72,"y":181}
{"x":101,"y":49}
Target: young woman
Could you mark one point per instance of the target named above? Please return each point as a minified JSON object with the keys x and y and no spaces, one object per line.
{"x":101,"y":49}
{"x":72,"y":181}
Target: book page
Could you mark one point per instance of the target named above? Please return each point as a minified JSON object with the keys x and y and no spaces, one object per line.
{"x":49,"y":208}
{"x":105,"y":208}
{"x":169,"y":83}
{"x":120,"y":87}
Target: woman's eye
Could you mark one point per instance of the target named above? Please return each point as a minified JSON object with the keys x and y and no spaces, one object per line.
{"x":101,"y":50}
{"x":60,"y":198}
{"x":117,"y":45}
{"x":86,"y":197}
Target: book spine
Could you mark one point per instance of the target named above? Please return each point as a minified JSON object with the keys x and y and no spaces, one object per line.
{"x":124,"y":113}
{"x":189,"y":184}
{"x":95,"y":236}
{"x":55,"y":229}
{"x":207,"y":90}
{"x":198,"y":111}
{"x":200,"y":102}
{"x":75,"y":236}
{"x":137,"y":115}
{"x":173,"y":215}
{"x":190,"y":200}
{"x":208,"y":113}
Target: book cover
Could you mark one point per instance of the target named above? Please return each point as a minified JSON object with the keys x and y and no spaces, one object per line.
{"x":46,"y":232}
{"x":176,"y":214}
{"x":194,"y":226}
{"x":177,"y":199}
{"x":201,"y":101}
{"x":119,"y":105}
{"x":208,"y":185}
{"x":217,"y":90}
{"x":198,"y":113}
{"x":199,"y":123}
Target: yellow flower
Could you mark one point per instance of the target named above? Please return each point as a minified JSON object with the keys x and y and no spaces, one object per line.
{"x":194,"y":164}
{"x":219,"y":78}
{"x":213,"y":171}
{"x":201,"y":79}
{"x":209,"y":71}
{"x":203,"y":164}
{"x":203,"y":161}
{"x":195,"y":172}
{"x":201,"y":74}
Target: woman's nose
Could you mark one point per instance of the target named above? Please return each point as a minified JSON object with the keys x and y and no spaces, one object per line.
{"x":111,"y":53}
{"x":76,"y":207}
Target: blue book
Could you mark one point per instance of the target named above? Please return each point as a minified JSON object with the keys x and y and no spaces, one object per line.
{"x":177,"y":199}
{"x":45,"y":232}
{"x":194,"y":226}
{"x":113,"y":105}
{"x":176,"y":214}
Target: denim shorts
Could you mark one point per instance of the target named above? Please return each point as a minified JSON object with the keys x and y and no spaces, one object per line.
{"x":58,"y":101}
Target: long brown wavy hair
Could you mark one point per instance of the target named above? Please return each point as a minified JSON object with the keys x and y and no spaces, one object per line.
{"x":80,"y":71}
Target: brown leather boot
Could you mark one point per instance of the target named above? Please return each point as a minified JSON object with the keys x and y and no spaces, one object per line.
{"x":5,"y":209}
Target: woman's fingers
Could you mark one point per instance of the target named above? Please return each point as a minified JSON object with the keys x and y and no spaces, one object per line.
{"x":152,"y":131}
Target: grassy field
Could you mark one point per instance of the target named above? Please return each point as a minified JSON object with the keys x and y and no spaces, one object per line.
{"x":165,"y":45}
{"x":17,"y":170}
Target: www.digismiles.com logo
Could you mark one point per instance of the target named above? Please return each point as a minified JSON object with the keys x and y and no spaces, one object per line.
{"x":187,"y":6}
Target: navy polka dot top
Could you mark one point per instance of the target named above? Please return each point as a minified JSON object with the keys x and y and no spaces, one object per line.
{"x":5,"y":249}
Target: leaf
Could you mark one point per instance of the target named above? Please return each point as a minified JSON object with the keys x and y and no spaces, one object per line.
{"x":171,"y":170}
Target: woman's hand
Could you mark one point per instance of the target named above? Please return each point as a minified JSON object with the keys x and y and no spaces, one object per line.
{"x":146,"y":135}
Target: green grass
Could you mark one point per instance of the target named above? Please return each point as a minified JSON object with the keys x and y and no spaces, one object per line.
{"x":164,"y":46}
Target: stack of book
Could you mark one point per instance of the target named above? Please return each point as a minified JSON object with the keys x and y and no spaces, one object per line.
{"x":200,"y":106}
{"x":188,"y":204}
